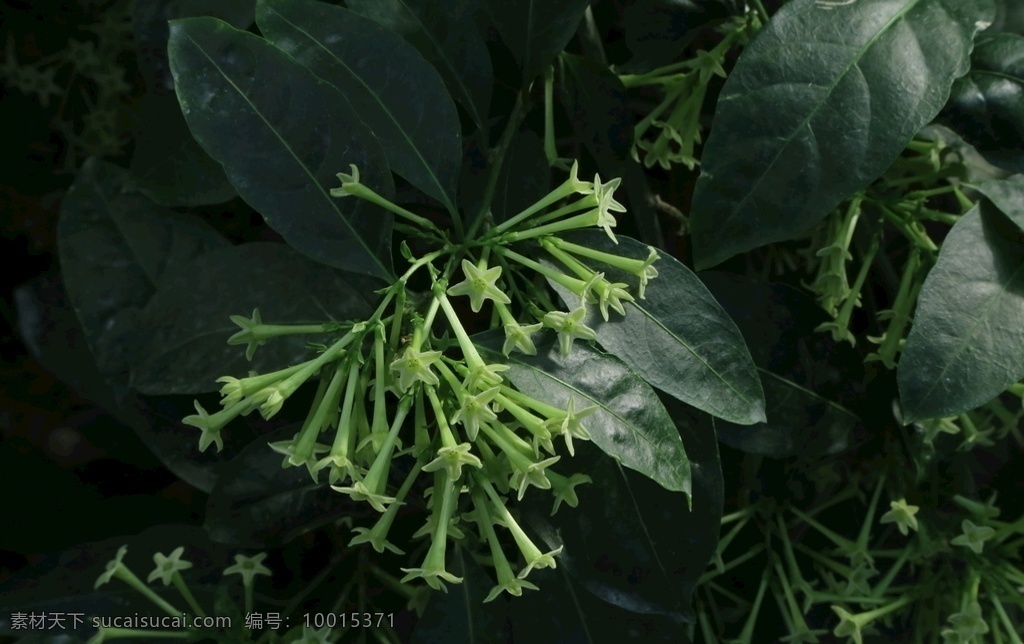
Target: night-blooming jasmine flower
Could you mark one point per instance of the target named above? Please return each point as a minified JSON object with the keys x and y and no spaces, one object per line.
{"x":480,"y":284}
{"x":569,"y":326}
{"x":475,"y":410}
{"x":452,"y":459}
{"x":518,"y":337}
{"x":974,"y":536}
{"x":166,"y":566}
{"x":902,"y":515}
{"x":413,"y":366}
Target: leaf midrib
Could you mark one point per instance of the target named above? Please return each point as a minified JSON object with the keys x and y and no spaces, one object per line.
{"x":383,"y":107}
{"x":320,"y":189}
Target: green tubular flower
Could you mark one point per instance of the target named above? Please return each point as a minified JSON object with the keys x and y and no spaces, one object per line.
{"x":564,"y":489}
{"x":377,"y":536}
{"x":902,"y":515}
{"x":414,"y":366}
{"x":452,"y":459}
{"x":531,"y":553}
{"x":168,"y":570}
{"x":570,"y":186}
{"x":533,"y":475}
{"x":517,"y":336}
{"x":974,"y":536}
{"x":480,"y":284}
{"x":569,"y":426}
{"x":969,"y":623}
{"x":432,"y":571}
{"x":116,"y":569}
{"x":569,"y":327}
{"x":643,"y":269}
{"x":475,"y":410}
{"x":248,"y":568}
{"x":371,"y":488}
{"x":507,"y":580}
{"x":212,"y":424}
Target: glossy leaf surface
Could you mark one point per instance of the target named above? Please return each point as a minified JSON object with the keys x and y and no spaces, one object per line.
{"x":679,"y":339}
{"x":799,"y":370}
{"x":1007,"y":195}
{"x":188,"y":321}
{"x":987,"y":106}
{"x":630,"y":423}
{"x":632,"y":543}
{"x":282,"y":143}
{"x":967,"y":342}
{"x":150,"y":30}
{"x":115,"y":249}
{"x":394,"y":90}
{"x":445,"y":31}
{"x":817,"y":107}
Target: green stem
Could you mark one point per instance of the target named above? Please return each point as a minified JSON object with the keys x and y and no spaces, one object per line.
{"x":497,"y":158}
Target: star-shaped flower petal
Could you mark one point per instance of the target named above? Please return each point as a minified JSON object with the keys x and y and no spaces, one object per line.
{"x":112,"y":567}
{"x":648,"y":272}
{"x":564,"y":489}
{"x":569,"y":426}
{"x":248,"y":335}
{"x":166,"y":566}
{"x":569,"y":326}
{"x":849,"y":625}
{"x":511,"y":585}
{"x":475,"y":410}
{"x":433,"y":577}
{"x":969,"y":623}
{"x":453,"y":458}
{"x":534,"y":475}
{"x":248,"y":567}
{"x":902,"y":515}
{"x":359,"y":492}
{"x":518,"y":337}
{"x":974,"y":536}
{"x":609,"y":294}
{"x":413,"y":366}
{"x":480,"y":284}
{"x":210,"y":425}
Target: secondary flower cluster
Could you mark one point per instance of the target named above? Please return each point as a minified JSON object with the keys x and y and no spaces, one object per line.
{"x":410,"y":382}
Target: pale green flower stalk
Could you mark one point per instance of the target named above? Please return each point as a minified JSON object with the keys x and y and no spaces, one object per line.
{"x":432,"y":570}
{"x":377,"y":536}
{"x":507,"y":580}
{"x":344,"y":438}
{"x":531,"y":553}
{"x":248,"y":568}
{"x":116,"y":569}
{"x":168,"y":570}
{"x":371,"y":489}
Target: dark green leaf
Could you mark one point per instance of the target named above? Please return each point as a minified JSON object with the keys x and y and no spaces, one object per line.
{"x":523,"y":179}
{"x":817,"y":107}
{"x":168,"y":165}
{"x":1007,"y":195}
{"x":678,"y":339}
{"x":53,"y":335}
{"x":967,"y":342}
{"x":987,"y":106}
{"x":149,"y":28}
{"x":115,"y":249}
{"x":460,"y":615}
{"x":282,"y":141}
{"x":563,"y":611}
{"x":630,"y":424}
{"x":536,"y":30}
{"x":256,"y":503}
{"x":632,"y":543}
{"x":598,"y":107}
{"x":797,"y":368}
{"x":187,"y":322}
{"x":658,"y":30}
{"x":445,"y":32}
{"x":394,"y":90}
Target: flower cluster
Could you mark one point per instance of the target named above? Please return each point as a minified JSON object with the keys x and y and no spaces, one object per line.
{"x":406,"y":396}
